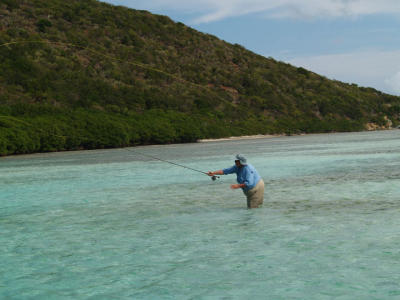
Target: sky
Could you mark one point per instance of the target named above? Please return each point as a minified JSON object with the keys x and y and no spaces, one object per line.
{"x":353,"y":41}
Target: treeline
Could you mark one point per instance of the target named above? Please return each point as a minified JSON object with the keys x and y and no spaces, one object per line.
{"x":82,"y":74}
{"x":33,"y":128}
{"x":27,"y":128}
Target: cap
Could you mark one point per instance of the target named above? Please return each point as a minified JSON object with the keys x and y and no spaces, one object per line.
{"x":241,"y":159}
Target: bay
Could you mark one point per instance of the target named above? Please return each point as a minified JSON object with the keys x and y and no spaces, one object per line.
{"x":114,"y":224}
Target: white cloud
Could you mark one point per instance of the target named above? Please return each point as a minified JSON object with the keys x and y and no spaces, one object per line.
{"x":214,"y":10}
{"x":377,"y":69}
{"x":394,"y":83}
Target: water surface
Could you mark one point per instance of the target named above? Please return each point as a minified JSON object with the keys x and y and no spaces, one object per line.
{"x":112,"y":224}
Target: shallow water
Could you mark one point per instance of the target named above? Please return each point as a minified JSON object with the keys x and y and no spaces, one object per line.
{"x":112,"y":224}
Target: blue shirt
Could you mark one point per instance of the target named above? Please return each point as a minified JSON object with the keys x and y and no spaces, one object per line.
{"x":246,"y":174}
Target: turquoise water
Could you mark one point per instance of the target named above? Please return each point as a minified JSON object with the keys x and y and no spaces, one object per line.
{"x":111,"y":224}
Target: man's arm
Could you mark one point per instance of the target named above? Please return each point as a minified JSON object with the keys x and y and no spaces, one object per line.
{"x":237,"y":186}
{"x":247,"y":175}
{"x":219,"y":172}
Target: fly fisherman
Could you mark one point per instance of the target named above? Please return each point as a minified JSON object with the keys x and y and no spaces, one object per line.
{"x":248,"y":180}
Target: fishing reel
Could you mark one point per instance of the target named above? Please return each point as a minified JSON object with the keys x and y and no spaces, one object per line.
{"x":213,"y":178}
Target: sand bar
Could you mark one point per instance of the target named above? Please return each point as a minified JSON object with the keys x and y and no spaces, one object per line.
{"x":243,"y":137}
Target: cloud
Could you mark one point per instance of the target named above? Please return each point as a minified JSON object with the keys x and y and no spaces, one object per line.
{"x":214,"y":10}
{"x":377,"y":69}
{"x":394,"y":83}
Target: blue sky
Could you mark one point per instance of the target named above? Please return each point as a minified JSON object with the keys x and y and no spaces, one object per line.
{"x":354,"y":41}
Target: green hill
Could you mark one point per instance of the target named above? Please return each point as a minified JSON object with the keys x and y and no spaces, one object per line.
{"x":82,"y":74}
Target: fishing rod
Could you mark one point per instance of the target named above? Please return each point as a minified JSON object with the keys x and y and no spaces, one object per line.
{"x":213,"y":178}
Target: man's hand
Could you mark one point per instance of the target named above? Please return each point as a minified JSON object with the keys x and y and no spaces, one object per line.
{"x":219,"y":172}
{"x":237,"y":186}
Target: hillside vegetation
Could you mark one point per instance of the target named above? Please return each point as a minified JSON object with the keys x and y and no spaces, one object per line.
{"x":82,"y":74}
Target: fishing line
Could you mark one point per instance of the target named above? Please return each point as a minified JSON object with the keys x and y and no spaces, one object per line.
{"x":137,"y":64}
{"x":214,"y":177}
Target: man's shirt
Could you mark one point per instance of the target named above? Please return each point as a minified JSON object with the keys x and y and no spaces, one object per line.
{"x":246,"y":174}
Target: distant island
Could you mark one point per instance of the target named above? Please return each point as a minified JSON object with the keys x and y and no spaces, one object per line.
{"x":82,"y":74}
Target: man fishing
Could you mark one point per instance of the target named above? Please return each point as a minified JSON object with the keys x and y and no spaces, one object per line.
{"x":248,"y":180}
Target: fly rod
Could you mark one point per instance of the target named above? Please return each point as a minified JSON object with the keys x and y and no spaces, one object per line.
{"x":214,"y":177}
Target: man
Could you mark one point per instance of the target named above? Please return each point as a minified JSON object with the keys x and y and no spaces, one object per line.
{"x":248,"y":180}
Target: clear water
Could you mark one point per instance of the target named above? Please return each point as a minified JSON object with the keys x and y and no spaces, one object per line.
{"x":111,"y":224}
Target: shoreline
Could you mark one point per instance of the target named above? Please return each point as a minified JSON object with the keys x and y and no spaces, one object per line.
{"x":231,"y":138}
{"x":268,"y":136}
{"x":241,"y":137}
